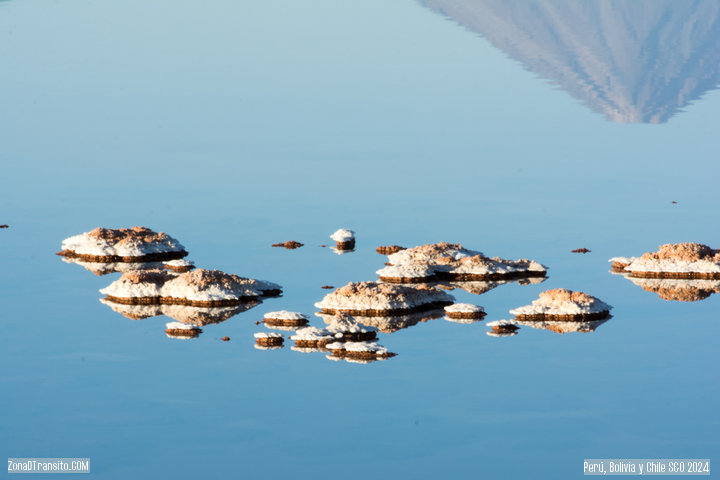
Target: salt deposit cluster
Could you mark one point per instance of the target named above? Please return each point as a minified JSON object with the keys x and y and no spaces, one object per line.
{"x":412,"y":288}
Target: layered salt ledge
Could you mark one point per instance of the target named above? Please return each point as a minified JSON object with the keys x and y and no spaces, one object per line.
{"x":563,"y":304}
{"x":312,"y":337}
{"x":122,"y":245}
{"x":207,"y":288}
{"x":267,"y":335}
{"x":676,"y":260}
{"x":341,"y":327}
{"x":181,"y":330}
{"x":453,"y":261}
{"x":381,"y":299}
{"x":179,"y":266}
{"x":265,"y":339}
{"x":464,"y":311}
{"x":285,"y":318}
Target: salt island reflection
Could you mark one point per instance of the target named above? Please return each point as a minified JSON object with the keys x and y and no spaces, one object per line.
{"x":633,"y":62}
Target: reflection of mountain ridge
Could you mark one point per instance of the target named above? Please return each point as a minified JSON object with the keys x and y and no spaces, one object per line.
{"x":637,"y":61}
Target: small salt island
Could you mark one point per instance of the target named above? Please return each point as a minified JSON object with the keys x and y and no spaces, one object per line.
{"x":265,"y":339}
{"x":380,"y":299}
{"x":136,"y":244}
{"x":447,"y":261}
{"x":201,"y":287}
{"x":284,"y":318}
{"x":344,"y":238}
{"x":359,"y":350}
{"x":464,"y":311}
{"x":673,"y":260}
{"x":503,"y":326}
{"x":563,"y":304}
{"x":181,"y":330}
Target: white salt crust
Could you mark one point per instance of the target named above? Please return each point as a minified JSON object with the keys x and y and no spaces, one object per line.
{"x":267,"y":347}
{"x":370,"y":347}
{"x":179,"y":326}
{"x":343,"y":235}
{"x":501,"y":323}
{"x":179,"y":263}
{"x":124,"y":288}
{"x":673,"y":266}
{"x":416,"y":254}
{"x":627,"y":260}
{"x":541,"y":307}
{"x":409,"y":270}
{"x":406,"y":298}
{"x":285,"y":315}
{"x":346,"y":324}
{"x":464,"y":308}
{"x":267,"y":335}
{"x":84,"y":244}
{"x":312,"y":334}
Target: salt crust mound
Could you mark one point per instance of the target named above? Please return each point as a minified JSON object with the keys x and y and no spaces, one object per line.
{"x":502,"y":323}
{"x":563,"y":303}
{"x":564,"y":327}
{"x":122,"y":242}
{"x":445,"y":260}
{"x":285,"y":315}
{"x":179,"y":326}
{"x":464,"y":308}
{"x":201,"y":286}
{"x":343,"y":235}
{"x":340,"y":326}
{"x":675,"y":260}
{"x":379,"y":299}
{"x":360,"y":350}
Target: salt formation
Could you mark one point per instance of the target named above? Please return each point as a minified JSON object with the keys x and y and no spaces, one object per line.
{"x":440,"y":261}
{"x":344,"y":238}
{"x":180,"y":330}
{"x":283,"y":318}
{"x":379,"y":299}
{"x":265,"y":339}
{"x":466,"y":311}
{"x":136,"y":244}
{"x":673,"y":260}
{"x":204,"y":288}
{"x":562,"y":304}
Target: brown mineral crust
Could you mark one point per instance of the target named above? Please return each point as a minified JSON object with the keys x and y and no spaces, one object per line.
{"x":357,"y":337}
{"x":290,"y":244}
{"x":184,"y":332}
{"x":429,"y":278}
{"x":4,"y":226}
{"x":388,"y":264}
{"x":158,"y":277}
{"x":349,"y":245}
{"x":465,"y":315}
{"x":505,"y":328}
{"x":270,"y":341}
{"x":225,"y":339}
{"x":285,"y":322}
{"x":433,"y":250}
{"x":388,"y":250}
{"x":327,"y":287}
{"x":580,"y":250}
{"x":179,"y":268}
{"x":313,"y":343}
{"x":619,"y":266}
{"x":361,"y":355}
{"x":689,"y":252}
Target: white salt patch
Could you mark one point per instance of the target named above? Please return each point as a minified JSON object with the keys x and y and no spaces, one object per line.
{"x":343,"y":235}
{"x":311,"y":334}
{"x":268,"y":335}
{"x":501,"y":323}
{"x":410,"y":270}
{"x":179,"y":263}
{"x":673,"y":266}
{"x":497,"y":334}
{"x":464,"y":308}
{"x":466,"y":321}
{"x":542,"y":307}
{"x":179,"y":326}
{"x":178,"y":288}
{"x":405,"y":297}
{"x":285,"y":315}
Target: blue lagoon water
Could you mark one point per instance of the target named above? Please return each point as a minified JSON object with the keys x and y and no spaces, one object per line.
{"x":520,"y":129}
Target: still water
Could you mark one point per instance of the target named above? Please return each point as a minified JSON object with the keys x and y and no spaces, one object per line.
{"x":520,"y":129}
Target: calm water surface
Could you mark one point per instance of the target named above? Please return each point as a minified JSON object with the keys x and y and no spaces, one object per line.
{"x":521,"y":129}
